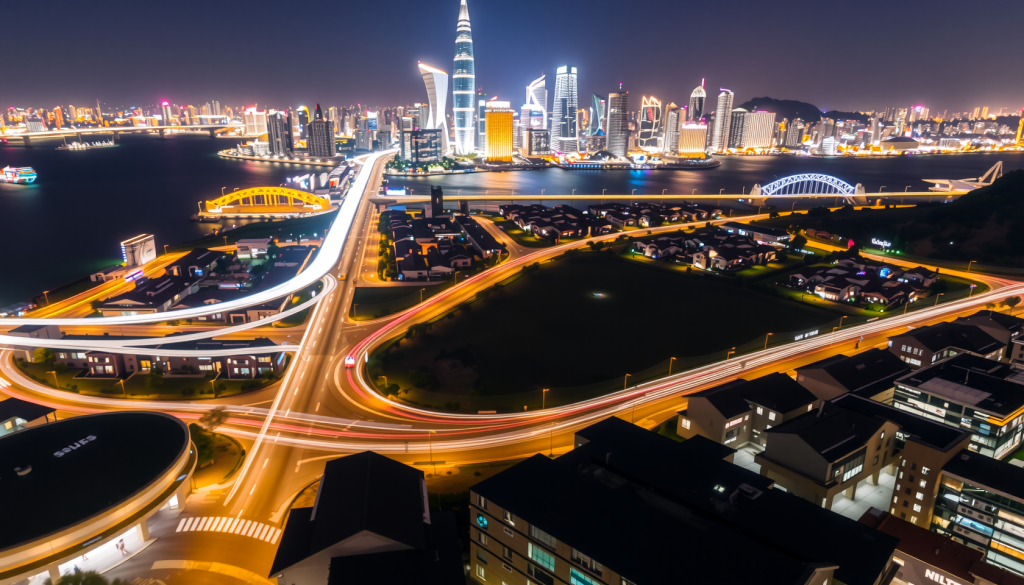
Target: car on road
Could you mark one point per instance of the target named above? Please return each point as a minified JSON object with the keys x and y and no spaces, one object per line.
{"x":350,"y":362}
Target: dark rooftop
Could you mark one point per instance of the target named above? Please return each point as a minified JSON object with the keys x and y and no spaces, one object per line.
{"x":106,"y":464}
{"x":987,"y":472}
{"x":776,"y":392}
{"x":959,"y":335}
{"x":970,"y":380}
{"x":921,"y":430}
{"x":832,"y":430}
{"x":866,"y":373}
{"x":27,"y":411}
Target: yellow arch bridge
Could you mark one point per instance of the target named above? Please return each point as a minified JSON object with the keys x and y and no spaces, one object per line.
{"x":266,"y":201}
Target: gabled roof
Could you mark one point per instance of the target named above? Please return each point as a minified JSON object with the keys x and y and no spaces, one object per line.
{"x":872,"y":370}
{"x":365,"y":491}
{"x":972,"y":380}
{"x":776,"y":392}
{"x":832,"y":430}
{"x":916,"y":428}
{"x":958,"y":335}
{"x":29,"y":411}
{"x":996,"y":475}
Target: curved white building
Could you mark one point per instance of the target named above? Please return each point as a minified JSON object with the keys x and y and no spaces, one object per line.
{"x":436,"y":82}
{"x":696,"y":109}
{"x":464,"y":86}
{"x":537,"y":97}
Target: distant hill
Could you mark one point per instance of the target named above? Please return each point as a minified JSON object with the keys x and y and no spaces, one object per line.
{"x":792,"y":109}
{"x":789,"y":109}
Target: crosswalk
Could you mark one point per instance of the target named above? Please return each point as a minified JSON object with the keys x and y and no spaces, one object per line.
{"x":238,"y":526}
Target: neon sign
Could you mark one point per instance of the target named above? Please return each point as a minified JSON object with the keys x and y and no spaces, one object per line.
{"x":882,"y":243}
{"x":133,"y":275}
{"x":74,"y":446}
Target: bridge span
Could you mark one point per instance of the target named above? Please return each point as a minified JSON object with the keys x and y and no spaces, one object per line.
{"x":116,"y":131}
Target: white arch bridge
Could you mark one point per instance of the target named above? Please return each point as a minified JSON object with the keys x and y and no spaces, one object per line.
{"x":808,"y":185}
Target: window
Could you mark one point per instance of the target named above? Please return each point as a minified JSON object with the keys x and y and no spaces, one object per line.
{"x":509,"y":518}
{"x":506,"y":552}
{"x":541,"y":577}
{"x":903,"y":515}
{"x":925,"y":470}
{"x":923,"y":483}
{"x":481,"y":501}
{"x":545,"y":538}
{"x":579,"y":578}
{"x":481,"y":521}
{"x":540,"y":556}
{"x":771,"y":416}
{"x":875,"y":462}
{"x":919,"y":496}
{"x":917,"y":507}
{"x":913,"y":519}
{"x":760,"y":410}
{"x":507,"y":530}
{"x":913,"y":466}
{"x":480,"y":572}
{"x":684,"y":423}
{"x":905,"y":503}
{"x":881,"y":436}
{"x":587,"y":562}
{"x":507,"y":568}
{"x":482,"y":538}
{"x":481,"y":555}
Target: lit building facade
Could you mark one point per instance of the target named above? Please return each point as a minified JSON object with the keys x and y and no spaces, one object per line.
{"x":536,"y":142}
{"x":693,"y":139}
{"x":165,"y":113}
{"x":499,"y":131}
{"x":255,"y":121}
{"x":537,"y":99}
{"x":564,"y":133}
{"x":421,"y":146}
{"x":320,"y":135}
{"x":598,"y":113}
{"x":463,"y":84}
{"x":481,"y":121}
{"x":650,"y":122}
{"x":723,"y":119}
{"x":760,"y":126}
{"x":697,"y":97}
{"x":618,"y":123}
{"x":674,"y":116}
{"x":436,"y":82}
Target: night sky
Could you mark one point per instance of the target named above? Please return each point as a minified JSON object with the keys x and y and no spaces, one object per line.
{"x":837,"y":55}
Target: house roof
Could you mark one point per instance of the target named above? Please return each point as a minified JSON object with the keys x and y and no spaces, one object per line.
{"x":361,"y":492}
{"x":1009,"y":323}
{"x":959,"y":335}
{"x":972,"y":380}
{"x":869,"y":372}
{"x":832,"y":430}
{"x":28,"y":411}
{"x":993,"y":474}
{"x":918,"y":429}
{"x":197,"y":257}
{"x":153,"y":293}
{"x":776,"y":392}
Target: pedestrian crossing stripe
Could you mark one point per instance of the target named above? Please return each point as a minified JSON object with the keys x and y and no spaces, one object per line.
{"x":249,"y":528}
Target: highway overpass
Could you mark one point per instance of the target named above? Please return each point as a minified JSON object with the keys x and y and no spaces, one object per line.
{"x":116,"y":131}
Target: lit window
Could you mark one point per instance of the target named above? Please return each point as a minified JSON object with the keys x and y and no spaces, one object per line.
{"x":895,"y":499}
{"x":481,"y":521}
{"x":481,"y":501}
{"x":481,"y":555}
{"x":482,"y":538}
{"x":480,"y":572}
{"x":882,"y":435}
{"x":684,"y":423}
{"x":917,"y":507}
{"x":913,"y":519}
{"x":540,"y":556}
{"x":771,"y":416}
{"x":923,"y":483}
{"x":760,"y":410}
{"x":925,"y":470}
{"x":543,"y":537}
{"x":919,"y":496}
{"x":510,"y":518}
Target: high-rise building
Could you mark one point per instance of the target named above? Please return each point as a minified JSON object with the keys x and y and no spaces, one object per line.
{"x":58,"y":117}
{"x":481,"y":120}
{"x":536,"y":141}
{"x":303,"y":123}
{"x":618,"y":123}
{"x":564,"y":134}
{"x":697,"y":97}
{"x":463,"y":84}
{"x":984,"y":112}
{"x":650,"y":123}
{"x":693,"y":139}
{"x":737,"y":127}
{"x":165,"y":113}
{"x":421,"y":146}
{"x":320,"y":135}
{"x":436,"y":82}
{"x":99,"y":111}
{"x":598,"y":115}
{"x":794,"y":133}
{"x":279,"y":133}
{"x":1020,"y":131}
{"x":759,"y":130}
{"x":255,"y":121}
{"x":876,"y":129}
{"x":216,"y":108}
{"x":537,"y":98}
{"x":674,"y":117}
{"x":499,"y":131}
{"x":723,"y":116}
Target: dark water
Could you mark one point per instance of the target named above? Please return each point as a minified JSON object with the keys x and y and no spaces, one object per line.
{"x":72,"y":219}
{"x":736,"y":174}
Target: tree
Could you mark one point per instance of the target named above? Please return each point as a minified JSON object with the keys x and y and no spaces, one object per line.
{"x":204,"y":444}
{"x":84,"y":578}
{"x":213,"y":418}
{"x":798,"y":241}
{"x":43,"y":355}
{"x":1012,"y":302}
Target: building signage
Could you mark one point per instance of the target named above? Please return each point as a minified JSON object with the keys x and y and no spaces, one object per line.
{"x":881,"y":243}
{"x":805,"y":335}
{"x":133,"y":275}
{"x":73,"y":446}
{"x":939,"y":578}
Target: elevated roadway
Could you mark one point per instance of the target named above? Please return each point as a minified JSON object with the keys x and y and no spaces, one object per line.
{"x":116,"y":131}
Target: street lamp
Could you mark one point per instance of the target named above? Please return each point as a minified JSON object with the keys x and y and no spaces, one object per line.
{"x":971,"y":290}
{"x":729,"y":353}
{"x":841,"y":321}
{"x":385,"y":381}
{"x":603,"y":191}
{"x":574,"y":192}
{"x":542,"y":192}
{"x":670,"y":360}
{"x":937,"y":298}
{"x":907,"y":189}
{"x":543,"y":395}
{"x":663,"y":192}
{"x":880,"y":189}
{"x":45,"y":293}
{"x":165,"y":249}
{"x":624,"y":381}
{"x":720,"y":191}
{"x":969,"y":265}
{"x":693,"y":192}
{"x":123,"y":391}
{"x":766,"y":340}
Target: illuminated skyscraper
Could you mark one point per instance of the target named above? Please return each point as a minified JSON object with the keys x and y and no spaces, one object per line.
{"x":481,"y":120}
{"x":618,"y":122}
{"x":693,"y":139}
{"x":436,"y":82}
{"x":673,"y":120}
{"x":537,"y":98}
{"x":165,"y":113}
{"x":564,"y":133}
{"x":463,"y":84}
{"x":320,"y":141}
{"x":759,"y":129}
{"x":696,"y":109}
{"x":499,"y":131}
{"x":598,"y":115}
{"x":303,"y":122}
{"x":723,"y":119}
{"x":255,"y":121}
{"x":279,"y":133}
{"x":650,"y":123}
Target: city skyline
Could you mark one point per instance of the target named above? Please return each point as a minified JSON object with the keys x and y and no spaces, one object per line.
{"x":865,"y":79}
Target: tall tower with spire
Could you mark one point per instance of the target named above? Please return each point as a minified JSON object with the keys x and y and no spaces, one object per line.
{"x":464,"y":84}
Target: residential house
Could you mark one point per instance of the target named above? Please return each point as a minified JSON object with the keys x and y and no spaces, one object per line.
{"x":926,"y":345}
{"x":871,"y":374}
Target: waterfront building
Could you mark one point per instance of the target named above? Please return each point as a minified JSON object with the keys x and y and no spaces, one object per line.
{"x":536,"y":142}
{"x":697,"y":98}
{"x":165,"y":113}
{"x":598,"y":115}
{"x":303,"y":122}
{"x":828,"y":146}
{"x":255,"y":121}
{"x":320,"y":141}
{"x":436,"y":82}
{"x":1020,"y":131}
{"x":693,"y":139}
{"x":564,"y":133}
{"x":421,"y":146}
{"x":481,"y":121}
{"x":499,"y":131}
{"x":674,"y":117}
{"x":723,"y":115}
{"x":759,"y":130}
{"x":794,"y":133}
{"x":618,"y":123}
{"x":650,"y":123}
{"x":463,"y":84}
{"x":34,"y":123}
{"x":737,"y":127}
{"x":537,"y":99}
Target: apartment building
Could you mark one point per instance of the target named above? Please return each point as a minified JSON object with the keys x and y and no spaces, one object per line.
{"x":926,"y":345}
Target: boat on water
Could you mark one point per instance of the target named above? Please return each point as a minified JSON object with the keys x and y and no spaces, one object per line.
{"x":18,"y":175}
{"x":86,"y":145}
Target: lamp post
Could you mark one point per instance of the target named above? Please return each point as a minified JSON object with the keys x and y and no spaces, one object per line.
{"x":543,"y":396}
{"x":123,"y":391}
{"x":385,"y":381}
{"x":663,"y":192}
{"x":841,"y":321}
{"x":729,"y":353}
{"x":165,"y":249}
{"x":969,"y":265}
{"x":720,"y":191}
{"x":603,"y":191}
{"x":574,"y":192}
{"x":693,"y":192}
{"x":213,"y":385}
{"x":542,"y":192}
{"x":880,"y":189}
{"x":937,"y":298}
{"x":625,"y":380}
{"x":632,"y":413}
{"x":766,"y":340}
{"x":670,"y":360}
{"x":971,"y":290}
{"x":430,"y":446}
{"x":46,"y":297}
